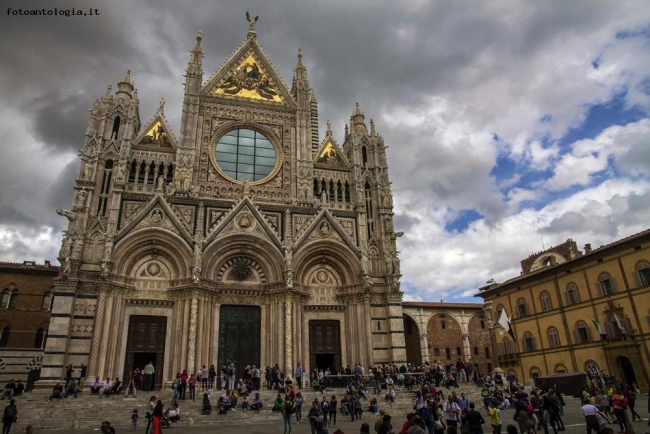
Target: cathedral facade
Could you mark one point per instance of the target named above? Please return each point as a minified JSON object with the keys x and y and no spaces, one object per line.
{"x":244,"y":238}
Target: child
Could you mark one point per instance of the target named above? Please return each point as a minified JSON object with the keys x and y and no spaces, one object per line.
{"x":134,"y":419}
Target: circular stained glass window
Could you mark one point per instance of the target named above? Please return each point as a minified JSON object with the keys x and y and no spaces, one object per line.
{"x":245,"y":155}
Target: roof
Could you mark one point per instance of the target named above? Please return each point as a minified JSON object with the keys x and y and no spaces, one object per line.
{"x":30,"y":266}
{"x":442,"y":305}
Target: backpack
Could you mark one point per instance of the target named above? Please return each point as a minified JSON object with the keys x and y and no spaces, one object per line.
{"x":10,"y":411}
{"x":288,"y":407}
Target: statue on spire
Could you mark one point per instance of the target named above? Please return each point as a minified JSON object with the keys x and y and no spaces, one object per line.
{"x":251,"y":22}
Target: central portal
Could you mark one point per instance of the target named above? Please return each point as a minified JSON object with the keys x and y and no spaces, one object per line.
{"x":145,"y":343}
{"x":325,"y":344}
{"x":239,"y":336}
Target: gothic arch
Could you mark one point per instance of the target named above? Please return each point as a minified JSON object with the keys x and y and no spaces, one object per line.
{"x":345,"y":263}
{"x":262,"y":254}
{"x":133,"y":249}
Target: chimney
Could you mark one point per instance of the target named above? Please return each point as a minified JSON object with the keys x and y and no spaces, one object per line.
{"x":587,"y":249}
{"x":47,"y":263}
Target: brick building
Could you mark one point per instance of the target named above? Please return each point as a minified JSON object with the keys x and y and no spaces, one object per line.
{"x":27,"y":292}
{"x":446,"y":332}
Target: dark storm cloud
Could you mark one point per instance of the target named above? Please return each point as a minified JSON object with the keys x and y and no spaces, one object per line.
{"x":58,"y":121}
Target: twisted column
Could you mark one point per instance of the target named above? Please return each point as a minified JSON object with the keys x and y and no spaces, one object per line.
{"x":191,"y":342}
{"x":97,"y":334}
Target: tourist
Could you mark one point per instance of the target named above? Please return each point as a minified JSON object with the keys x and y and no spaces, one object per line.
{"x":71,"y":389}
{"x":106,"y":428}
{"x":207,"y":406}
{"x":495,"y":420}
{"x":591,"y":414}
{"x":192,"y":384}
{"x":315,"y":418}
{"x":297,"y":406}
{"x":333,"y":409}
{"x":390,"y":395}
{"x":277,"y":404}
{"x":231,"y":376}
{"x":183,"y":386}
{"x":173,"y":414}
{"x":385,"y":427}
{"x":149,"y":371}
{"x":158,"y":415}
{"x":117,"y":387}
{"x":57,"y":392}
{"x":407,"y":423}
{"x":106,"y":389}
{"x":620,"y":403}
{"x":365,"y":428}
{"x":452,"y":410}
{"x":9,"y":416}
{"x":149,"y":414}
{"x":96,"y":386}
{"x":212,"y":374}
{"x":299,"y":372}
{"x":258,"y":402}
{"x":474,"y":419}
{"x":134,"y":419}
{"x":287,"y":411}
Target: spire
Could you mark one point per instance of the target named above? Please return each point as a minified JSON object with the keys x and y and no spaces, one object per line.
{"x":357,"y":121}
{"x":161,"y":106}
{"x":313,"y":105}
{"x":372,"y":128}
{"x":196,"y":57}
{"x":125,"y":87}
{"x":301,"y":71}
{"x":329,"y":129}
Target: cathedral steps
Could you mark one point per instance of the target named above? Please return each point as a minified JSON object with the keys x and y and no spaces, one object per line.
{"x":88,"y":411}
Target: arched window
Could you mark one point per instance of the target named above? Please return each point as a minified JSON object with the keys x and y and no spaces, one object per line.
{"x":582,"y":332}
{"x":39,"y":339}
{"x":498,"y":311}
{"x":560,"y":368}
{"x":6,"y":295}
{"x":643,"y":273}
{"x":522,"y":308}
{"x":13,"y":298}
{"x":529,"y":342}
{"x":116,"y":128}
{"x":553,"y":337}
{"x":545,"y":300}
{"x":606,"y":284}
{"x":47,"y":301}
{"x":572,"y":294}
{"x":535,"y":372}
{"x":4,"y":337}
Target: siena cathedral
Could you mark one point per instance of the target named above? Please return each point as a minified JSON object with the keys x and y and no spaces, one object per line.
{"x":244,"y":238}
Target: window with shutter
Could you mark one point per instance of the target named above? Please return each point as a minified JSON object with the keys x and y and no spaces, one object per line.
{"x":643,"y":273}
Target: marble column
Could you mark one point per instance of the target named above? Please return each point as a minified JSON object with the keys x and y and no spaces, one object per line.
{"x":97,"y":335}
{"x":368,"y":329}
{"x":191,"y":341}
{"x":288,"y":336}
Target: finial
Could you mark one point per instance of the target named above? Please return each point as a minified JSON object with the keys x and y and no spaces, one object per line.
{"x":161,"y":106}
{"x":372,"y":127}
{"x":109,"y":89}
{"x":347,"y":130}
{"x":127,"y":77}
{"x":329,"y":129}
{"x":199,"y":36}
{"x":251,"y":23}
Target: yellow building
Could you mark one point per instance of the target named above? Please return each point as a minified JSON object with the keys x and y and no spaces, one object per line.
{"x":561,"y":298}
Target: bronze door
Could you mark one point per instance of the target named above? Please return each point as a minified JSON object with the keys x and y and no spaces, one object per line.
{"x":325,"y":344}
{"x":239,"y":336}
{"x":145,"y":343}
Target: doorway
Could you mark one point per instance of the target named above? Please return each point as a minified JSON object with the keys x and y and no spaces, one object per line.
{"x":626,"y":369}
{"x":145,"y":343}
{"x":239,"y":336}
{"x":325,"y":344}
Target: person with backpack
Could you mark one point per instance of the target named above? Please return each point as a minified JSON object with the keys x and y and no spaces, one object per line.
{"x":9,"y":416}
{"x":287,"y":411}
{"x":315,"y":418}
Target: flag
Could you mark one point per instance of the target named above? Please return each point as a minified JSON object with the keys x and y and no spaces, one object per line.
{"x":504,"y":322}
{"x":620,"y":325}
{"x":601,"y":330}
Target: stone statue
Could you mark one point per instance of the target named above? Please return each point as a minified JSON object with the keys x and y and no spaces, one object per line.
{"x":247,"y":187}
{"x":67,"y":264}
{"x":251,"y":21}
{"x":104,"y":266}
{"x":365,"y":264}
{"x":108,"y":248}
{"x":194,"y":190}
{"x":87,"y":172}
{"x":161,"y":182}
{"x":65,"y":247}
{"x":80,"y":198}
{"x":186,"y":182}
{"x":196,"y":273}
{"x":288,"y":257}
{"x":120,"y":173}
{"x":289,"y":279}
{"x":170,"y":190}
{"x":76,"y":249}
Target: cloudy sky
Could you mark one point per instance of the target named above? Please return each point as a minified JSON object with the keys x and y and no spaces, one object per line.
{"x":512,"y":125}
